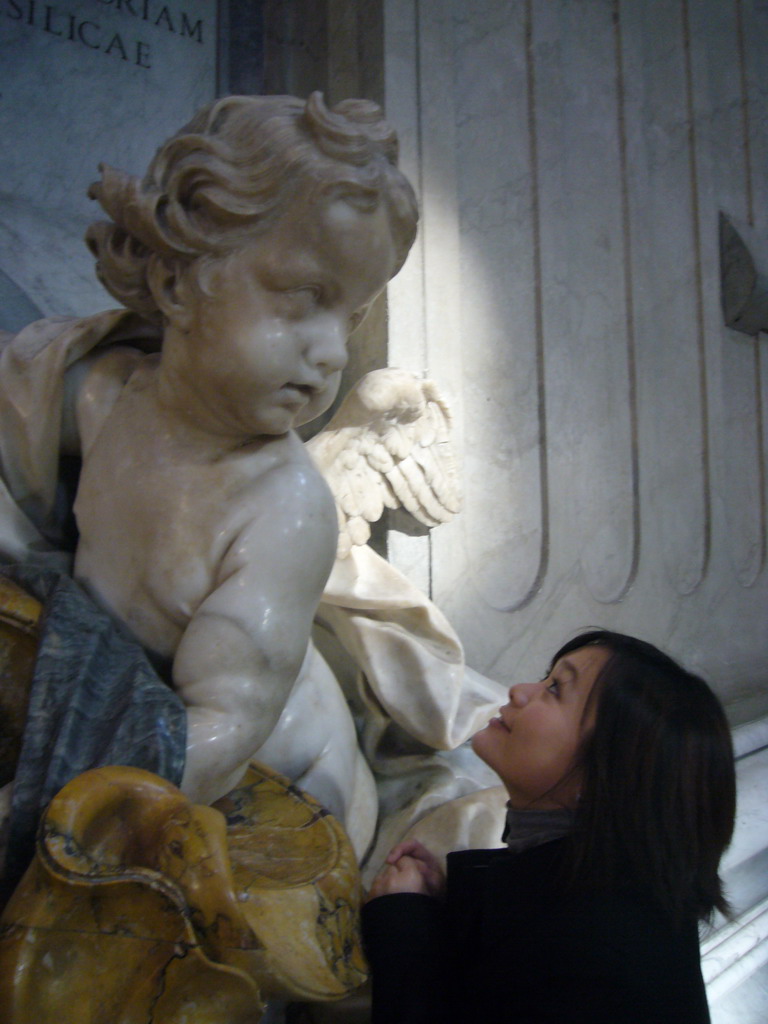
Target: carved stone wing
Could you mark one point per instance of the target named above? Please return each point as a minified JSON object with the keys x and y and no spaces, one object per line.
{"x":388,"y":446}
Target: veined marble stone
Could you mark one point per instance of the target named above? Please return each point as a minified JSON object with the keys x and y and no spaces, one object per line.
{"x":140,"y":902}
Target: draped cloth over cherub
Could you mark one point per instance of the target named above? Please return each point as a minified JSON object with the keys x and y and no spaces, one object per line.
{"x":94,"y":696}
{"x":32,"y":368}
{"x":413,"y":691}
{"x":417,"y":703}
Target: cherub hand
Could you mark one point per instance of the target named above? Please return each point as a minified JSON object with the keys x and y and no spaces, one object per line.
{"x":410,"y":867}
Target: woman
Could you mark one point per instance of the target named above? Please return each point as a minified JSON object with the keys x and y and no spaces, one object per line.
{"x":619,"y":769}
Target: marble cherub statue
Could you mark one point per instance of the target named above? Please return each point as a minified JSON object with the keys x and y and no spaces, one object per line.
{"x":245,"y":257}
{"x":260,"y":235}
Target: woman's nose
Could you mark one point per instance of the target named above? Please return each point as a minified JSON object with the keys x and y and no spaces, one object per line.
{"x":521,"y":693}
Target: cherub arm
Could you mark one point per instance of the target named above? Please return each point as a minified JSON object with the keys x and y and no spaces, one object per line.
{"x":242,"y":650}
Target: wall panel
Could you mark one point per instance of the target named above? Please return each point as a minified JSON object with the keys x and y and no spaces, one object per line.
{"x":719,"y":77}
{"x":588,"y":379}
{"x":505,"y":537}
{"x":573,"y":159}
{"x":665,"y":282}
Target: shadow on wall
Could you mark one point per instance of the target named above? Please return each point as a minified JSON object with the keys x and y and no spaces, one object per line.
{"x":16,"y":308}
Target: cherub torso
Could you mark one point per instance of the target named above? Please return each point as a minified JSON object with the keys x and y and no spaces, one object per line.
{"x":158,"y":508}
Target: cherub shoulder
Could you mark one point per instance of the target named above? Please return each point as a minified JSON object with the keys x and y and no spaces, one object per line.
{"x":284,"y":492}
{"x":91,"y":388}
{"x":282,"y":528}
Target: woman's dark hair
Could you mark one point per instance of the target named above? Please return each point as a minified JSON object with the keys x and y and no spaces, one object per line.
{"x":658,"y":793}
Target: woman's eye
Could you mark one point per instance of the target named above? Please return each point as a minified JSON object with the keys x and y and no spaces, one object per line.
{"x":554,"y":688}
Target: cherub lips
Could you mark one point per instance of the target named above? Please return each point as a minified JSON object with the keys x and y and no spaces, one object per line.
{"x":304,"y":391}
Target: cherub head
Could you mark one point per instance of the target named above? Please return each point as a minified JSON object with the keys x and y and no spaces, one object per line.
{"x":262,"y":207}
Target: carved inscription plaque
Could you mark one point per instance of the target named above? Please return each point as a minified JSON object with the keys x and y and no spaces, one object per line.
{"x":83,"y":81}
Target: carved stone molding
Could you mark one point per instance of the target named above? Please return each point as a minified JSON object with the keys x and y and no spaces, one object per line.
{"x":744,"y":289}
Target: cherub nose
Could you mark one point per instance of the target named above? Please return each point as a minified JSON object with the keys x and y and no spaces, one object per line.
{"x":327,"y":348}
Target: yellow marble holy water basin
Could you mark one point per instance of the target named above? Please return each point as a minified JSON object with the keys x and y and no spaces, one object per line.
{"x":142,"y":908}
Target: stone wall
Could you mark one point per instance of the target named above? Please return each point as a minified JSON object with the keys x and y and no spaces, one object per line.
{"x":572,"y":160}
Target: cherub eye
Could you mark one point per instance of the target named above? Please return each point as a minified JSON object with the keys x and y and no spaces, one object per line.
{"x":357,"y":318}
{"x":295,"y":303}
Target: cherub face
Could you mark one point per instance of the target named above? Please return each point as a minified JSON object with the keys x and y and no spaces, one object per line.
{"x":261,"y":339}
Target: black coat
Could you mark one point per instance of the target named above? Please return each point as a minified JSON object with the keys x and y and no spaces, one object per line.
{"x":512,"y":943}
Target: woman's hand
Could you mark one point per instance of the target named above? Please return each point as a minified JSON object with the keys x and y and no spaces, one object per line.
{"x":410,"y":867}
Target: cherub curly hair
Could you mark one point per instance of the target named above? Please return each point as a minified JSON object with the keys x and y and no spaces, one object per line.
{"x":230,"y":172}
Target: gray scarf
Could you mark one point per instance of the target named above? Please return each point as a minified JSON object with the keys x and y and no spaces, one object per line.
{"x":524,"y":829}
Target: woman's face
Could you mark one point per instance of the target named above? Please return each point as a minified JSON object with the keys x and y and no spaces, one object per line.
{"x":533,"y":742}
